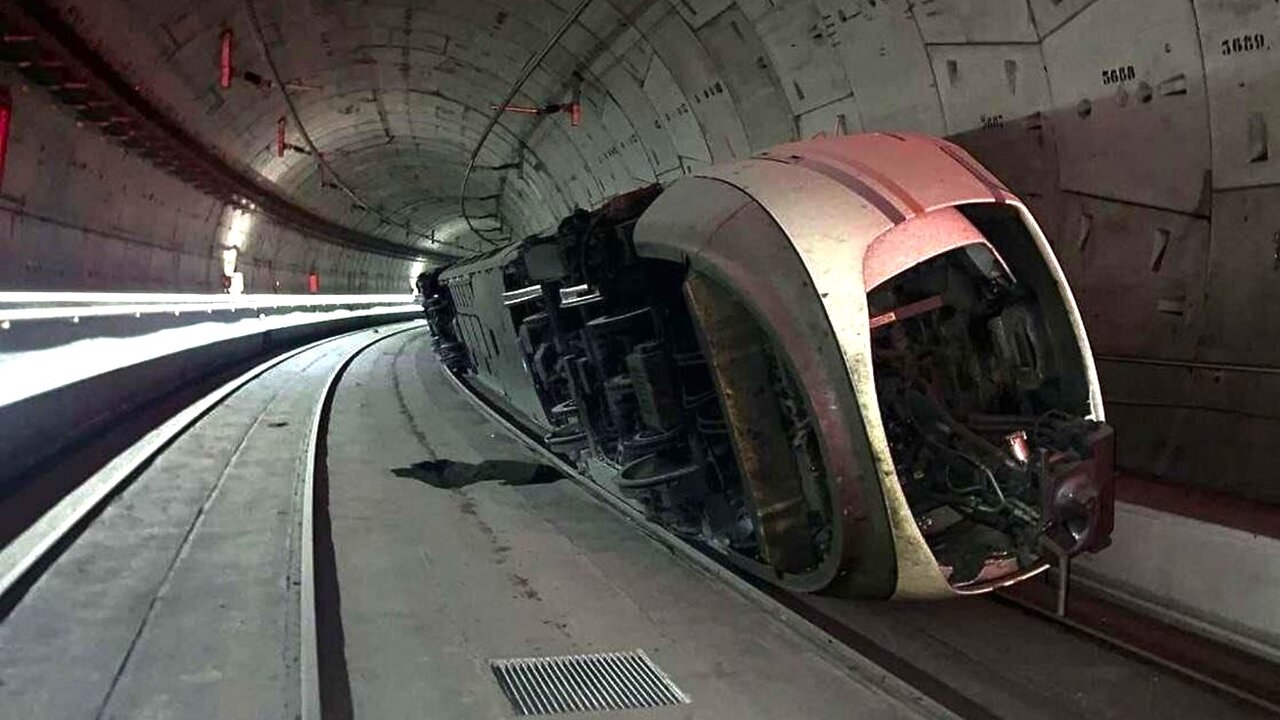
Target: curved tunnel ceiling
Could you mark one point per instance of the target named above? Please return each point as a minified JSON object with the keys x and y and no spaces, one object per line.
{"x":1073,"y":102}
{"x":394,"y":95}
{"x":1141,"y":133}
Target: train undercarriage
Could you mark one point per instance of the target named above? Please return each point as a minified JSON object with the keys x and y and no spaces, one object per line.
{"x":665,"y":383}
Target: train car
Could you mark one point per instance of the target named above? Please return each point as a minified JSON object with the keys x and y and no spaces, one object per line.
{"x":849,"y":365}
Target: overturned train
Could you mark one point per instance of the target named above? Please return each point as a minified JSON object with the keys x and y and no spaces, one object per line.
{"x":850,"y":365}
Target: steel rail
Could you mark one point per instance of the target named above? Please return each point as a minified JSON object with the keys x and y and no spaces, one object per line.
{"x":310,"y":658}
{"x":1069,"y":622}
{"x":33,"y":549}
{"x":71,"y":514}
{"x":822,"y":629}
{"x":843,"y":654}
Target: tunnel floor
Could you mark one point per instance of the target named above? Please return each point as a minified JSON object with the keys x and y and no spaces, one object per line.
{"x":455,"y":546}
{"x":452,"y":545}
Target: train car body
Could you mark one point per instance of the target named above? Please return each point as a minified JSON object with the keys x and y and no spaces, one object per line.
{"x":849,"y":365}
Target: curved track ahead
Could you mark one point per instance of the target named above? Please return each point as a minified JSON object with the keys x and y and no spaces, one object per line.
{"x":171,"y":581}
{"x":439,"y":542}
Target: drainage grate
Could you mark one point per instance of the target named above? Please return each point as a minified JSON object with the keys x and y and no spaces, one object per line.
{"x":585,"y":683}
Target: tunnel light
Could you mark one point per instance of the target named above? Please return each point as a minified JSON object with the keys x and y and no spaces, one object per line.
{"x":415,"y":270}
{"x":75,"y":307}
{"x":238,"y":227}
{"x":6,"y":115}
{"x":239,"y":222}
{"x":227,"y":72}
{"x":229,"y":256}
{"x":9,"y":300}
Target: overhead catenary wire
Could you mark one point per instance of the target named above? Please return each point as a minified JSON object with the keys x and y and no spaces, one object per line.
{"x":525,"y":74}
{"x":333,"y":176}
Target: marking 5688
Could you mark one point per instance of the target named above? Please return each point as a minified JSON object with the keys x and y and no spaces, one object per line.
{"x":1244,"y":43}
{"x":1118,"y":75}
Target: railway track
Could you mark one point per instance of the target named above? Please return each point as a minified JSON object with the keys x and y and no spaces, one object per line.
{"x":295,"y":413}
{"x":839,"y":625}
{"x":195,"y":499}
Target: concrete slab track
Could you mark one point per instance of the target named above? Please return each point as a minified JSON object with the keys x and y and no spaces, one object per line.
{"x":180,"y":600}
{"x":454,"y":545}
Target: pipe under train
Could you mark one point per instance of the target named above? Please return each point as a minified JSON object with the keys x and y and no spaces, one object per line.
{"x":849,"y":364}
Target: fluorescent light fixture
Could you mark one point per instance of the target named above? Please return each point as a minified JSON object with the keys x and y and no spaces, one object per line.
{"x":75,"y":306}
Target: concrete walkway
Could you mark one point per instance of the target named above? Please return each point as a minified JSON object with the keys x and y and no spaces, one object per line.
{"x":455,"y":546}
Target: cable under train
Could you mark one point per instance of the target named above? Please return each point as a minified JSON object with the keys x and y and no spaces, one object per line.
{"x":849,"y":365}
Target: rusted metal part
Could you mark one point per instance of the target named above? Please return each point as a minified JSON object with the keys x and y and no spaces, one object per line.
{"x":50,"y":53}
{"x":732,"y":342}
{"x":906,"y":311}
{"x":717,"y":230}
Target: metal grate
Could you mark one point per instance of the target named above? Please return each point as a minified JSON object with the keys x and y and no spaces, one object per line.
{"x":585,"y":683}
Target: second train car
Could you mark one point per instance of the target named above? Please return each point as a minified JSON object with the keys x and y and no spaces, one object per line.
{"x":850,"y":365}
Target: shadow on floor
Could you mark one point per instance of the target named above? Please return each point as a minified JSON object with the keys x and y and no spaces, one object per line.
{"x":447,"y":474}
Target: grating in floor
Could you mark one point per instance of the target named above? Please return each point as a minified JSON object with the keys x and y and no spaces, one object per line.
{"x":585,"y":683}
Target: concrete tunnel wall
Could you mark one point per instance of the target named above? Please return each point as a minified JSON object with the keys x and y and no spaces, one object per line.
{"x":1139,"y":133}
{"x":79,"y":213}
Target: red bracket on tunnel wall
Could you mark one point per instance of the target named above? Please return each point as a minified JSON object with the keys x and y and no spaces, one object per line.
{"x":573,"y":109}
{"x":224,"y":78}
{"x":575,"y":106}
{"x":6,"y":116}
{"x":280,"y":143}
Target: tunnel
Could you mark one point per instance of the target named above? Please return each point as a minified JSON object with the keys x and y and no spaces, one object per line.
{"x":341,"y":151}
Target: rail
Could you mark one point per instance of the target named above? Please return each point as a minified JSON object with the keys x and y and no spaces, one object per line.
{"x":1222,"y":668}
{"x":62,"y":380}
